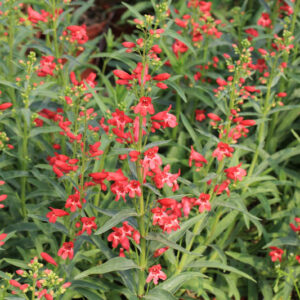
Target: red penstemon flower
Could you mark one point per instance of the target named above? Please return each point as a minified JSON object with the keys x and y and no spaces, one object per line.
{"x":54,"y":213}
{"x":144,"y":107}
{"x":67,"y":250}
{"x":155,"y":273}
{"x":2,"y":238}
{"x":48,"y":258}
{"x":276,"y":253}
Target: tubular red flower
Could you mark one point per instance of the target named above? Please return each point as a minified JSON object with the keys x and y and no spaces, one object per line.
{"x":48,"y":258}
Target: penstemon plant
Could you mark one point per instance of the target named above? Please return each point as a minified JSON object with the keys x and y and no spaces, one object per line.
{"x":164,"y":167}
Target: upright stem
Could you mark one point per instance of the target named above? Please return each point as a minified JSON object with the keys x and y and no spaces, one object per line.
{"x":266,"y":108}
{"x":185,"y":256}
{"x":24,"y":166}
{"x":141,"y":221}
{"x":140,"y":175}
{"x":11,"y":37}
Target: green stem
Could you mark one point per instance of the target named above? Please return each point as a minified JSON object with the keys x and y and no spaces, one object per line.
{"x":33,"y":289}
{"x":24,"y":167}
{"x":141,"y":221}
{"x":266,"y":108}
{"x":178,"y":111}
{"x":296,"y":288}
{"x":97,"y":197}
{"x":218,"y":173}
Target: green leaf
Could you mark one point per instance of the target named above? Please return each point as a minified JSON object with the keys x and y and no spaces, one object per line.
{"x":116,"y":219}
{"x":175,"y":282}
{"x":179,"y":90}
{"x":218,"y":265}
{"x":190,"y":129}
{"x":135,"y":9}
{"x":154,"y":144}
{"x":256,"y":262}
{"x":4,"y":276}
{"x":98,"y":99}
{"x":16,"y":262}
{"x":158,"y":293}
{"x":113,"y":265}
{"x":89,"y":294}
{"x":235,"y":207}
{"x":184,"y":226}
{"x":44,"y":129}
{"x":159,"y":237}
{"x":284,"y":241}
{"x":175,"y":35}
{"x":80,"y":11}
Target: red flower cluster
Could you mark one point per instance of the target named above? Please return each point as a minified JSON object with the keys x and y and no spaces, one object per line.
{"x":47,"y":66}
{"x":77,"y":34}
{"x":155,"y":273}
{"x":121,"y":235}
{"x":62,"y":164}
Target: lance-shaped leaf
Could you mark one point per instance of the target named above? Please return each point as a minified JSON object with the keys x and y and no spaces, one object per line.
{"x":218,"y":265}
{"x":116,"y":219}
{"x":114,"y":264}
{"x":174,"y":283}
{"x":161,"y":238}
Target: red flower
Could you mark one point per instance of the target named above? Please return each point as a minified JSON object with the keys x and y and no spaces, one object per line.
{"x":163,"y":119}
{"x":155,"y":274}
{"x":162,"y":177}
{"x":203,"y":202}
{"x":94,"y":149}
{"x":54,"y":213}
{"x":119,"y":119}
{"x":48,"y":258}
{"x":162,"y":77}
{"x":34,"y":16}
{"x":276,"y":253}
{"x":220,"y":188}
{"x":67,"y":250}
{"x":181,"y":23}
{"x":293,"y":227}
{"x":197,"y":157}
{"x":73,"y":202}
{"x":222,"y":150}
{"x":235,"y":173}
{"x":99,"y":177}
{"x":160,"y":251}
{"x":187,"y":204}
{"x":128,"y":44}
{"x":151,"y":159}
{"x":214,"y":117}
{"x":134,"y":155}
{"x":179,"y":47}
{"x":78,"y":34}
{"x":122,"y":75}
{"x":200,"y":116}
{"x":282,"y":94}
{"x":47,"y":66}
{"x":144,"y":107}
{"x":165,"y":221}
{"x":221,"y":82}
{"x":133,"y":188}
{"x":252,"y":33}
{"x":87,"y":225}
{"x":120,"y":236}
{"x":5,"y":105}
{"x":14,"y":283}
{"x":264,"y":20}
{"x":2,"y":237}
{"x":119,"y":188}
